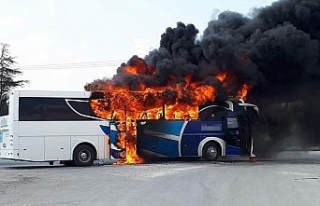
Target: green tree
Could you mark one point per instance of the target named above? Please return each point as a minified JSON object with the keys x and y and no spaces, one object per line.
{"x":7,"y":75}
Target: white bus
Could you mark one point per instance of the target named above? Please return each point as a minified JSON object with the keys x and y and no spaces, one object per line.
{"x":53,"y":126}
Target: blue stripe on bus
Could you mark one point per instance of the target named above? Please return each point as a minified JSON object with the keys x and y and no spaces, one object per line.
{"x":113,"y":136}
{"x":105,"y":129}
{"x":111,"y":133}
{"x":158,"y":145}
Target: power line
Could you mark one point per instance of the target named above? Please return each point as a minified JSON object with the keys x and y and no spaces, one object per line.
{"x":71,"y":65}
{"x":64,"y":68}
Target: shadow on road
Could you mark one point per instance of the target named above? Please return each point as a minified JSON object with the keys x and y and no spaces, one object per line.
{"x":30,"y":167}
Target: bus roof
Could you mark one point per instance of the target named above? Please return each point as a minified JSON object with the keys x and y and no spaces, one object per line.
{"x":48,"y":93}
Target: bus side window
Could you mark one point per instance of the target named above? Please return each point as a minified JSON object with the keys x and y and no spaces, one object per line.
{"x":212,"y":113}
{"x":30,"y":109}
{"x":50,"y":109}
{"x":232,"y":123}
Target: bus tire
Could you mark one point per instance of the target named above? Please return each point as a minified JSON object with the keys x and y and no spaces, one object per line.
{"x":211,"y":151}
{"x":84,"y":155}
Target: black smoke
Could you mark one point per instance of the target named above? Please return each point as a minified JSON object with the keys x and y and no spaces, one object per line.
{"x":276,"y":51}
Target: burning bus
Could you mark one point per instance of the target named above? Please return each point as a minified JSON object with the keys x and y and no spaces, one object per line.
{"x":222,"y":129}
{"x":185,"y":112}
{"x":209,"y":131}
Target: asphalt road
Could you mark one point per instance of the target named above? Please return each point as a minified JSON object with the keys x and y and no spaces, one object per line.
{"x":12,"y":163}
{"x":179,"y":183}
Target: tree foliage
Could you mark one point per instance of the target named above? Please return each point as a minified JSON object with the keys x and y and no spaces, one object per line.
{"x":8,"y":74}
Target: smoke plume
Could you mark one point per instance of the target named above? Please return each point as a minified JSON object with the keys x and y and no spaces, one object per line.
{"x":276,"y":51}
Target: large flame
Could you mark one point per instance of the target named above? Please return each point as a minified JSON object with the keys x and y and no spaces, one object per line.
{"x":173,"y":101}
{"x":242,"y":94}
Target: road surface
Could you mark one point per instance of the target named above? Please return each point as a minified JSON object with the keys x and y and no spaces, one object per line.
{"x":265,"y":183}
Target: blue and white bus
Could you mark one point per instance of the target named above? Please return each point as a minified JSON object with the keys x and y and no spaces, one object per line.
{"x":223,"y":129}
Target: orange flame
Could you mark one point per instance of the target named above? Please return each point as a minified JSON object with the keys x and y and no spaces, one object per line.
{"x":242,"y":94}
{"x":126,"y":106}
{"x":228,"y":79}
{"x":180,"y":101}
{"x":221,"y":77}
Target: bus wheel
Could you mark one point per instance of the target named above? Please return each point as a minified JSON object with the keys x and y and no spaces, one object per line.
{"x":211,"y":151}
{"x":83,"y":155}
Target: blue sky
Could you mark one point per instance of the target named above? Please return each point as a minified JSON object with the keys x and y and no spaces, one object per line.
{"x":63,"y":44}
